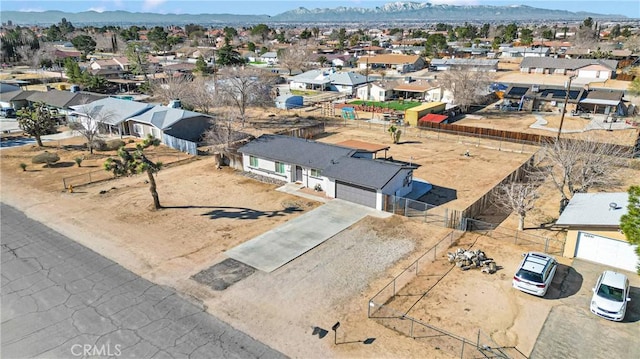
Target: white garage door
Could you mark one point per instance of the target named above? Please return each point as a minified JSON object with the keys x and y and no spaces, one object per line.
{"x":618,"y":254}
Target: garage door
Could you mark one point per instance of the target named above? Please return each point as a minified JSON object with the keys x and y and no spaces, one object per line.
{"x":356,"y":194}
{"x":615,"y":253}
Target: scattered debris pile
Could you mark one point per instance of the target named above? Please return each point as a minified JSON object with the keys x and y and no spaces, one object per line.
{"x":466,"y":259}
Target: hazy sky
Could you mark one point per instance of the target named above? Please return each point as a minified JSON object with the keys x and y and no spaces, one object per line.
{"x":630,"y":8}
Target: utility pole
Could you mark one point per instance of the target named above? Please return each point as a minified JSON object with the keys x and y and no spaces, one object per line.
{"x":564,"y":109}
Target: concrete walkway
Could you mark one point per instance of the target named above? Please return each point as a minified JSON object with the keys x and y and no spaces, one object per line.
{"x":275,"y":248}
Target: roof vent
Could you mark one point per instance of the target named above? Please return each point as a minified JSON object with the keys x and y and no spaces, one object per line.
{"x":613,"y":205}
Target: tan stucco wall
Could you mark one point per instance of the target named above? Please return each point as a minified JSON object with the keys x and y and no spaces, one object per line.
{"x":572,"y":239}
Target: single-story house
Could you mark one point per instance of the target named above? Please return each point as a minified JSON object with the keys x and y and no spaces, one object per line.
{"x":175,"y":127}
{"x":110,"y":113}
{"x":15,"y":99}
{"x":583,"y":68}
{"x":541,"y":97}
{"x":340,"y":172}
{"x":376,"y":91}
{"x":467,"y":64}
{"x":592,"y":221}
{"x":401,"y":63}
{"x":603,"y":102}
{"x":423,"y":90}
{"x":328,"y":80}
{"x":525,"y":51}
{"x":271,"y":57}
{"x":63,"y":101}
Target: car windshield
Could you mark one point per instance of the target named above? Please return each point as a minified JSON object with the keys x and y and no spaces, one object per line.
{"x":529,"y":276}
{"x":611,"y":293}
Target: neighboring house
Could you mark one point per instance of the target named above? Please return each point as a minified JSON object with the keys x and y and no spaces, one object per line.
{"x":176,"y":128}
{"x":250,"y":56}
{"x":603,"y":102}
{"x":63,"y":101}
{"x":328,"y":80}
{"x":592,"y":221}
{"x":15,"y":99}
{"x":341,"y":172}
{"x":400,"y":63}
{"x":423,"y":90}
{"x":110,"y":113}
{"x":466,"y":64}
{"x":542,"y":97}
{"x":376,"y":91}
{"x":525,"y":51}
{"x":271,"y":58}
{"x":407,"y":50}
{"x":583,"y":68}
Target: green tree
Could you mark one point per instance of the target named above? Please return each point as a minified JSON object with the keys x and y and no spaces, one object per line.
{"x":305,"y":34}
{"x":201,"y":65}
{"x":36,"y":121}
{"x":251,"y":46}
{"x":510,"y":32}
{"x":434,"y":44}
{"x":159,"y":38}
{"x":230,"y":32}
{"x":322,"y":60}
{"x":526,"y":36}
{"x":615,"y":31}
{"x":130,"y":162}
{"x":261,"y":30}
{"x":72,"y":70}
{"x":138,"y":59}
{"x":227,"y":55}
{"x":342,"y":37}
{"x":630,"y":222}
{"x":547,"y":34}
{"x":85,"y":44}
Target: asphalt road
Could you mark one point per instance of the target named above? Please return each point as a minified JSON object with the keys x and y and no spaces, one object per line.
{"x":62,"y":300}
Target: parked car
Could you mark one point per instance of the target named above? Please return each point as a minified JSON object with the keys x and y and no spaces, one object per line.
{"x":7,"y":112}
{"x":610,"y":296}
{"x":535,"y":273}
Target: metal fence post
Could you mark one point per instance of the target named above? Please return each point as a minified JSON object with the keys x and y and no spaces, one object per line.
{"x":546,"y":245}
{"x":406,"y":207}
{"x":435,"y":251}
{"x":516,"y":239}
{"x":411,"y":330}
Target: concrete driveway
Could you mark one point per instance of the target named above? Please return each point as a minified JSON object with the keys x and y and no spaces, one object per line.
{"x":277,"y":247}
{"x":572,"y":331}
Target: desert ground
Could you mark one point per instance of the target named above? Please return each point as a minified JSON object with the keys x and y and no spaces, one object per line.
{"x":205,"y":213}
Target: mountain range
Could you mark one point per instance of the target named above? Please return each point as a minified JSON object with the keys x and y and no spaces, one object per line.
{"x":390,"y":12}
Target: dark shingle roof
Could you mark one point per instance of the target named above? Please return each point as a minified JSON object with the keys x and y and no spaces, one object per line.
{"x":334,"y":161}
{"x":294,"y":150}
{"x":363,"y":172}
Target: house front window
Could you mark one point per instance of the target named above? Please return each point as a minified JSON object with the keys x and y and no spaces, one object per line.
{"x":316,"y":173}
{"x":280,"y":168}
{"x":253,"y":161}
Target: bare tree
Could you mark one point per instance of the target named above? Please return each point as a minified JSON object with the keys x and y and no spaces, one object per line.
{"x":243,"y":87}
{"x":223,"y":127}
{"x":88,"y":124}
{"x":576,"y":165}
{"x":201,"y":95}
{"x":172,"y":88}
{"x":294,"y":57}
{"x":465,"y":85}
{"x":518,"y":197}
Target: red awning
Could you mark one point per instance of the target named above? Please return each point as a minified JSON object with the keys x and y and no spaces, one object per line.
{"x":432,"y":117}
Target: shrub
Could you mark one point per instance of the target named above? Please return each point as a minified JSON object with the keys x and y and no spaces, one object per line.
{"x":113,"y":145}
{"x":99,"y":144}
{"x":46,"y":157}
{"x":79,"y":161}
{"x":23,"y":166}
{"x":131,"y":140}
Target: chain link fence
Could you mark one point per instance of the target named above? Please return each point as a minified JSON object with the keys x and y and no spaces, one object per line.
{"x":529,"y":241}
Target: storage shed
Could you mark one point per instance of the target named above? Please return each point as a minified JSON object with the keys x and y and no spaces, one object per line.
{"x":412,"y":115}
{"x":286,"y":102}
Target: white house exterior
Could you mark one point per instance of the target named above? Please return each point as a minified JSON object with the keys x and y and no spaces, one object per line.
{"x":584,"y":68}
{"x":328,"y":80}
{"x":336,"y":170}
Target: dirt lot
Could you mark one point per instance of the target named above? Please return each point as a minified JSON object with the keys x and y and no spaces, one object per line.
{"x":442,"y":163}
{"x":460,"y":303}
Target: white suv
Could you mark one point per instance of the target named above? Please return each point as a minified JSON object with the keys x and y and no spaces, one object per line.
{"x":610,"y":296}
{"x":535,"y":273}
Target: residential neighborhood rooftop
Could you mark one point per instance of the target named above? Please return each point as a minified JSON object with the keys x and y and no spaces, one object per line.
{"x":594,"y":209}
